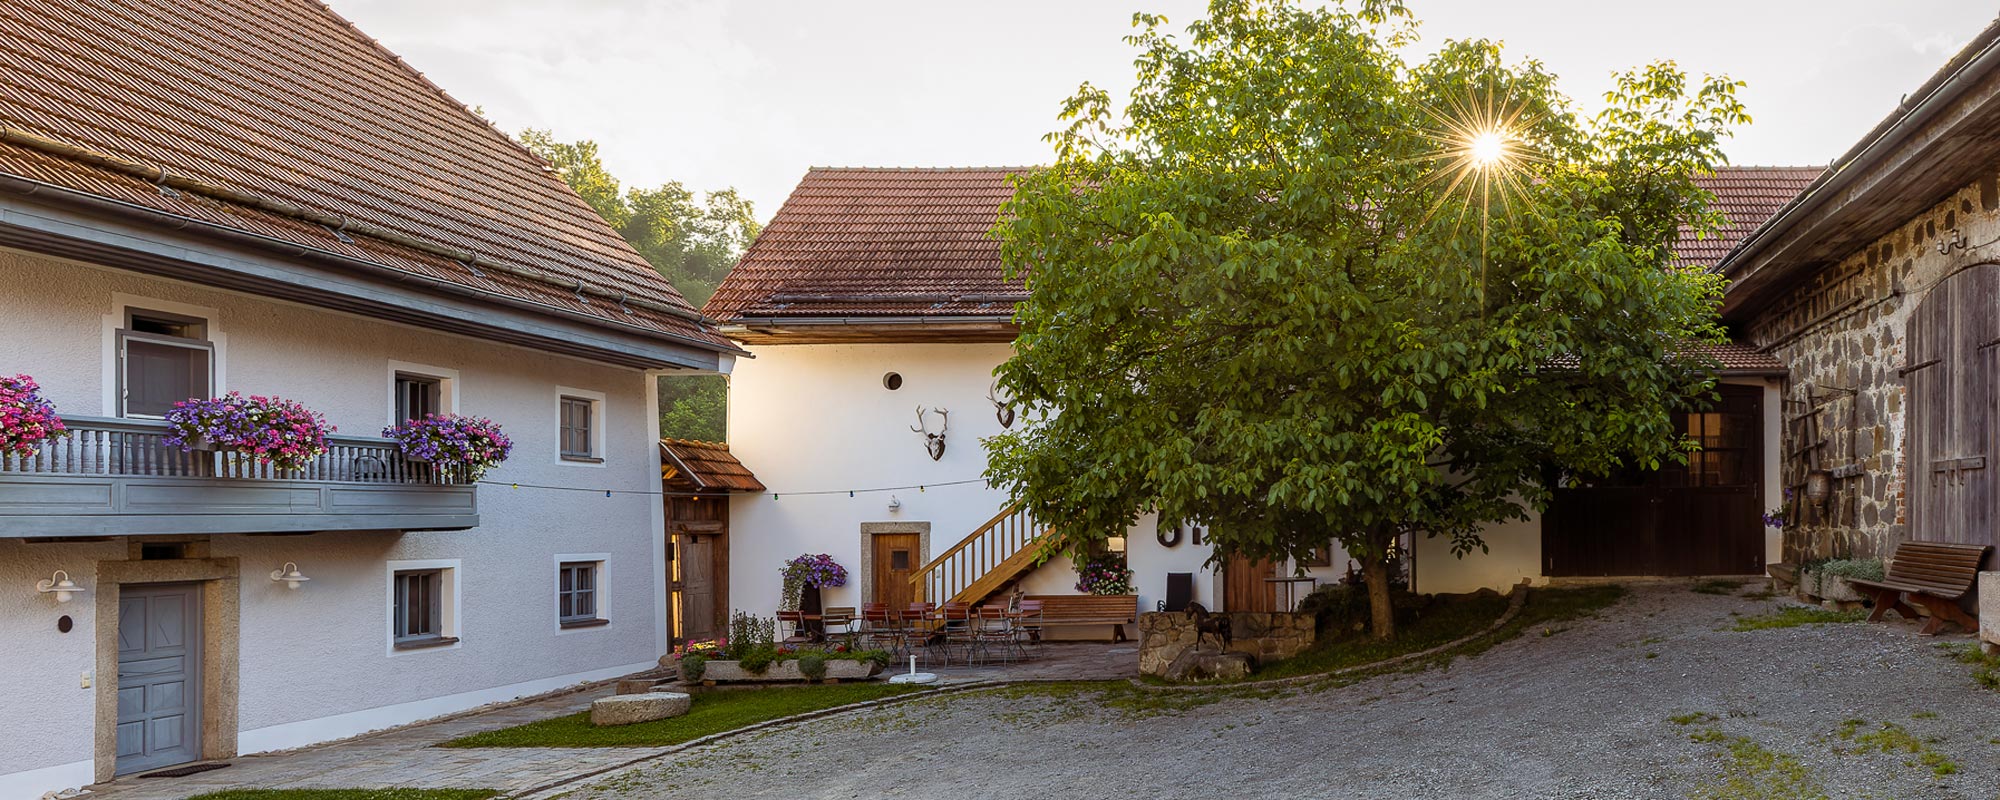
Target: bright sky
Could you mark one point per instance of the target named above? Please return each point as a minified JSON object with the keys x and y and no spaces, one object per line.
{"x":750,"y":94}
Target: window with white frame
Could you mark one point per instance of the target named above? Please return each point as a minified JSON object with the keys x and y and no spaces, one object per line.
{"x":578,"y":592}
{"x":422,"y":608}
{"x":163,"y":359}
{"x":576,"y":428}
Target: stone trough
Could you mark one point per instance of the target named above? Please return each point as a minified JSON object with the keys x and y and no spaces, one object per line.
{"x":787,"y":671}
{"x":627,"y":709}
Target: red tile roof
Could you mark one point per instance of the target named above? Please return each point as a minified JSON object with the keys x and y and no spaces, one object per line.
{"x":877,"y":242}
{"x":691,"y":465}
{"x":1742,"y":359}
{"x":862,"y":242}
{"x":1746,"y":196}
{"x":285,"y":102}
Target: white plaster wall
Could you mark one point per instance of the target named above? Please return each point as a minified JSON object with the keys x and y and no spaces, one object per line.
{"x":315,"y":659}
{"x":814,"y":421}
{"x":1514,"y":552}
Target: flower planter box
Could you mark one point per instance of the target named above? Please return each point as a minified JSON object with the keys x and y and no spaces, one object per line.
{"x":787,"y":671}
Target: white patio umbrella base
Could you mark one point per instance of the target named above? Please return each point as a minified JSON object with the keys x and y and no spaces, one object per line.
{"x":914,"y":677}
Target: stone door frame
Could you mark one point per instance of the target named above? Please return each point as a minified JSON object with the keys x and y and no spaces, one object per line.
{"x":868,"y":532}
{"x":221,"y":601}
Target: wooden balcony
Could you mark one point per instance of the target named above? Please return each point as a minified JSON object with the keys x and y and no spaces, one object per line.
{"x":117,"y":477}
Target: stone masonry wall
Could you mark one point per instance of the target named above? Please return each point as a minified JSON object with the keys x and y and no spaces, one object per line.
{"x":1164,"y":636}
{"x":1843,"y":329}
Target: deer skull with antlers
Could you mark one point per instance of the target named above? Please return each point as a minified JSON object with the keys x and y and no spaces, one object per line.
{"x":933,"y":442}
{"x":1001,"y":410}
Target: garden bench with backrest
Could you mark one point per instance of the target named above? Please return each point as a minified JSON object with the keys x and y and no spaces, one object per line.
{"x":1931,"y":574}
{"x":1116,"y":610}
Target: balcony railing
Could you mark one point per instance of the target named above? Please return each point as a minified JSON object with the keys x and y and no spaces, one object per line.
{"x":132,"y":447}
{"x":118,"y":476}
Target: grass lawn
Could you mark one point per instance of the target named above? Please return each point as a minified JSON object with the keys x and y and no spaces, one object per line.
{"x":349,"y":794}
{"x":713,"y":712}
{"x":1794,"y":616}
{"x":1447,"y":623}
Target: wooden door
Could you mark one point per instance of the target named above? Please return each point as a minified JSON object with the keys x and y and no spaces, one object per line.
{"x":897,"y":557}
{"x":1244,"y":587}
{"x":1950,"y":378}
{"x":698,"y":608}
{"x":159,"y":676}
{"x":697,"y":566}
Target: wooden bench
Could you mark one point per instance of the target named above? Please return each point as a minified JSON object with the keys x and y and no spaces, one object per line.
{"x":1117,"y":610}
{"x":1931,"y":574}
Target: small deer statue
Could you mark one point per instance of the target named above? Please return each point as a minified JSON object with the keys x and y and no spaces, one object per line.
{"x":933,"y":442}
{"x":1002,"y":411}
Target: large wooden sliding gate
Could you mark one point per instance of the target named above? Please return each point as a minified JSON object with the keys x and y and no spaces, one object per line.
{"x":1702,"y":518}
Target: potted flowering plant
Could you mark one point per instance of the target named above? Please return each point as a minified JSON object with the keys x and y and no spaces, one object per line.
{"x":1104,"y":573}
{"x":466,"y":447}
{"x":804,"y":577}
{"x":271,"y":430}
{"x":27,"y":421}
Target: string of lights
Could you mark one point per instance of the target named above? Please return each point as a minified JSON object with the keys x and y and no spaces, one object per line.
{"x":920,"y":487}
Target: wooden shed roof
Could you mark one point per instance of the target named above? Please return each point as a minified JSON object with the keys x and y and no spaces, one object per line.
{"x":691,"y":465}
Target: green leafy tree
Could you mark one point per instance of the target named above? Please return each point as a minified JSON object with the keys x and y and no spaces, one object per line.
{"x":693,"y":241}
{"x":1300,"y":289}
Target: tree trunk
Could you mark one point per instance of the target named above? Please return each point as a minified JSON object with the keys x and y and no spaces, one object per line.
{"x":1375,"y":572}
{"x":1382,"y":611}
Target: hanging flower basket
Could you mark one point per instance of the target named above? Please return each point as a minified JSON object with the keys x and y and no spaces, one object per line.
{"x":268,"y":430}
{"x":466,"y":447}
{"x":27,"y":420}
{"x":810,"y":571}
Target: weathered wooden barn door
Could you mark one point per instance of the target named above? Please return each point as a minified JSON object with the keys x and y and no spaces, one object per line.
{"x":698,"y":566}
{"x":1954,"y":356}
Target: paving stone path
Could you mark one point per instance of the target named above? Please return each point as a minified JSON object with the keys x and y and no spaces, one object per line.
{"x":406,"y":757}
{"x":1587,"y":711}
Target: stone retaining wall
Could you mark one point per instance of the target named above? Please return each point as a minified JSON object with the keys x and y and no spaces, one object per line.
{"x":1164,"y":636}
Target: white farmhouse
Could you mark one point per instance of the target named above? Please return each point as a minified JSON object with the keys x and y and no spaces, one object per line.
{"x":876,"y":300}
{"x":200,"y":197}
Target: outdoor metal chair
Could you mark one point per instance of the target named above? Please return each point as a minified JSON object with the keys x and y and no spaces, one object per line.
{"x":956,"y":630}
{"x":837,"y":621}
{"x":1028,"y":625}
{"x":881,"y":629}
{"x":793,"y":625}
{"x":993,"y":630}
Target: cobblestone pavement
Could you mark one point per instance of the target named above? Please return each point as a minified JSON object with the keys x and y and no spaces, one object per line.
{"x":1657,"y":697}
{"x":405,"y":756}
{"x":401,"y":757}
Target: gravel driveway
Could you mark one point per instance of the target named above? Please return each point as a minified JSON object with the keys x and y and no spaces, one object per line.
{"x":1584,"y":712}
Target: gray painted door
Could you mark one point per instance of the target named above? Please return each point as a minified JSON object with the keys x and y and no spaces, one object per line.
{"x":159,"y":676}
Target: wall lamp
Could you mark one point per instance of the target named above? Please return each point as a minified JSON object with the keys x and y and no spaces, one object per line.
{"x":290,"y":575}
{"x":61,"y":586}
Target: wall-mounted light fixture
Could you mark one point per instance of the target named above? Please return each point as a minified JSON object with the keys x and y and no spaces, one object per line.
{"x":895,"y":504}
{"x":290,"y":575}
{"x":1115,"y":544}
{"x":61,"y":586}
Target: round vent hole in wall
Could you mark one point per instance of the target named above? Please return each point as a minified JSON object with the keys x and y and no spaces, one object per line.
{"x":892,"y":381}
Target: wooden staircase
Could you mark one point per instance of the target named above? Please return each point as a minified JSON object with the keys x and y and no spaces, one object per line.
{"x":983,"y":562}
